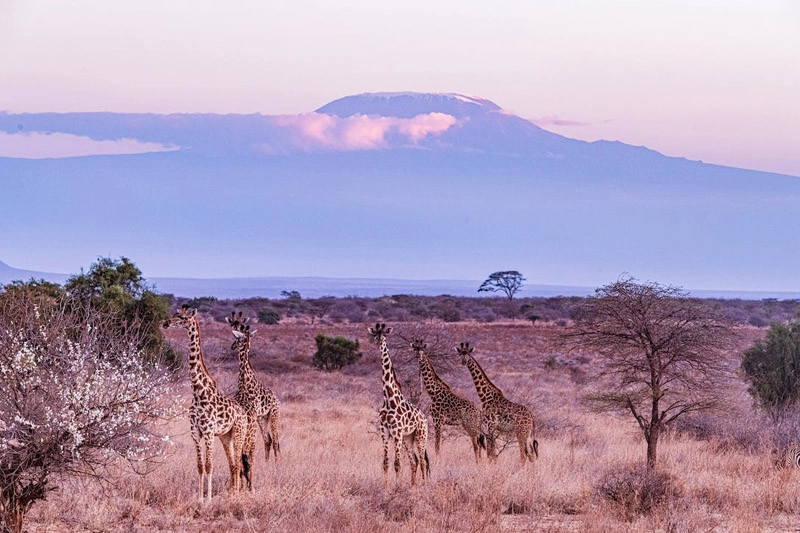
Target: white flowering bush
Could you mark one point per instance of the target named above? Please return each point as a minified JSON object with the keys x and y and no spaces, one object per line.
{"x":71,"y":403}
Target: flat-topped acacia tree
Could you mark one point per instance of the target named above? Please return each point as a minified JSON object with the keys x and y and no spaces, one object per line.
{"x":508,"y":282}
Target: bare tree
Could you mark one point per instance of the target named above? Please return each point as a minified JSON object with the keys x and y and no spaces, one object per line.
{"x":660,"y":353}
{"x":75,"y":399}
{"x":507,"y":281}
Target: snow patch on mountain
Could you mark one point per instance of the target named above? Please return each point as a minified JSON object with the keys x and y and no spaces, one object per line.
{"x":409,"y":104}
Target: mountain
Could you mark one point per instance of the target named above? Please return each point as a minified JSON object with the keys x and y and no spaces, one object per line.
{"x":9,"y":274}
{"x":391,"y":186}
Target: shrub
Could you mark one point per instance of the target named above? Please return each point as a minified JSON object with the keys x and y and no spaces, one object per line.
{"x":334,"y":353}
{"x":73,"y":402}
{"x":116,"y":287}
{"x":346,"y":309}
{"x":635,"y":490}
{"x":202,"y":303}
{"x":772,"y":367}
{"x":533,"y":318}
{"x":269,"y":316}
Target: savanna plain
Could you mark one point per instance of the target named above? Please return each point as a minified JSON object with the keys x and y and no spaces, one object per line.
{"x":718,"y":467}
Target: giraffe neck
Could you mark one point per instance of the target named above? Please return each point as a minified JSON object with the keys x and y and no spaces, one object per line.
{"x":198,"y":373}
{"x":487,"y":391}
{"x":391,"y":388}
{"x":433,"y":383}
{"x":246,"y":372}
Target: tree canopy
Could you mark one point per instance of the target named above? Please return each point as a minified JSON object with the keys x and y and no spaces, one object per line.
{"x":772,"y":367}
{"x":508,"y":281}
{"x":117,"y":287}
{"x":658,"y":353}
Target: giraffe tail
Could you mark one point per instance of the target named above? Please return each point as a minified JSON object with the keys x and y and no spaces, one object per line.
{"x":246,"y":470}
{"x":482,"y":441}
{"x":535,"y":447}
{"x":427,"y":465}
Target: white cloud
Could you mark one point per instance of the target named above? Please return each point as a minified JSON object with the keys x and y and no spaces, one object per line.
{"x":36,"y":145}
{"x":359,"y":132}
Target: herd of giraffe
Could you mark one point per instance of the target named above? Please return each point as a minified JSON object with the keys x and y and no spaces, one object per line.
{"x":403,"y":425}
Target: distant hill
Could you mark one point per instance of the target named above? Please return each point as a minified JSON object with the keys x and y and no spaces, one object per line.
{"x":317,"y":287}
{"x":9,"y":274}
{"x":399,"y":185}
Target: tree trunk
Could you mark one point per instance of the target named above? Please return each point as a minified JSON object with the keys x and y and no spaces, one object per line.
{"x":652,"y":448}
{"x":654,"y":433}
{"x":14,"y":505}
{"x":11,"y":520}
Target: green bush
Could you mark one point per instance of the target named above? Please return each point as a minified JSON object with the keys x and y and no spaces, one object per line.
{"x":333,"y":353}
{"x":269,"y":316}
{"x":202,"y":303}
{"x":772,"y":367}
{"x":115,"y":288}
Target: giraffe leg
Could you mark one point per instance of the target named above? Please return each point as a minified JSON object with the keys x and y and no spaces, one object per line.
{"x":422,"y":453}
{"x":244,"y":450}
{"x":476,"y":448}
{"x":437,"y":435}
{"x":269,"y":432}
{"x":409,"y":445}
{"x":209,"y":465}
{"x":228,"y":446}
{"x":273,"y":431}
{"x":398,"y":444}
{"x":249,"y":450}
{"x":522,"y":439}
{"x":491,"y":441}
{"x":201,"y":470}
{"x":385,"y":439}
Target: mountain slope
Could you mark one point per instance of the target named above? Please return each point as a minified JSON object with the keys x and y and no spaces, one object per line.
{"x":490,"y":191}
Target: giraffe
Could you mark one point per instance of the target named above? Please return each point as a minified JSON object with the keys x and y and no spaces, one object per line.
{"x":401,"y":422}
{"x":212,"y":414}
{"x":500,"y":415}
{"x":447,"y":408}
{"x":259,"y":401}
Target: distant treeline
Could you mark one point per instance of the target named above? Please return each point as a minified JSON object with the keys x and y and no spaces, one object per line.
{"x":400,"y":308}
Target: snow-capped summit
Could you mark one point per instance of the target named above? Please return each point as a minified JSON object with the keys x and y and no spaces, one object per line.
{"x":408,"y":105}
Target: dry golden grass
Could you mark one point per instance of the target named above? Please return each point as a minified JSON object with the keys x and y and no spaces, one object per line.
{"x":329,"y":477}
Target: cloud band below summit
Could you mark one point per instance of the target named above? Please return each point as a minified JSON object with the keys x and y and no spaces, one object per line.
{"x":314,"y":131}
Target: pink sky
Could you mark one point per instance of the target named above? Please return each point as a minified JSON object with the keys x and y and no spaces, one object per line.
{"x":715,"y":80}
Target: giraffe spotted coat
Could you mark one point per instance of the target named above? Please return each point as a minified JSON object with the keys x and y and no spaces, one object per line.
{"x":401,"y":422}
{"x":211,"y":413}
{"x":500,"y":415}
{"x":261,"y":404}
{"x":447,"y":408}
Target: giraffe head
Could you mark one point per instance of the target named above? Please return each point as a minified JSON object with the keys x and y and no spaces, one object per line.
{"x":465,"y":351}
{"x":418,"y":346}
{"x":240,"y":328}
{"x":379,"y":333}
{"x":182,"y":318}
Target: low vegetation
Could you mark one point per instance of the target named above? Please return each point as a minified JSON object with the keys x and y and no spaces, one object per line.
{"x":556,"y":310}
{"x":716,"y":469}
{"x":334,"y":353}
